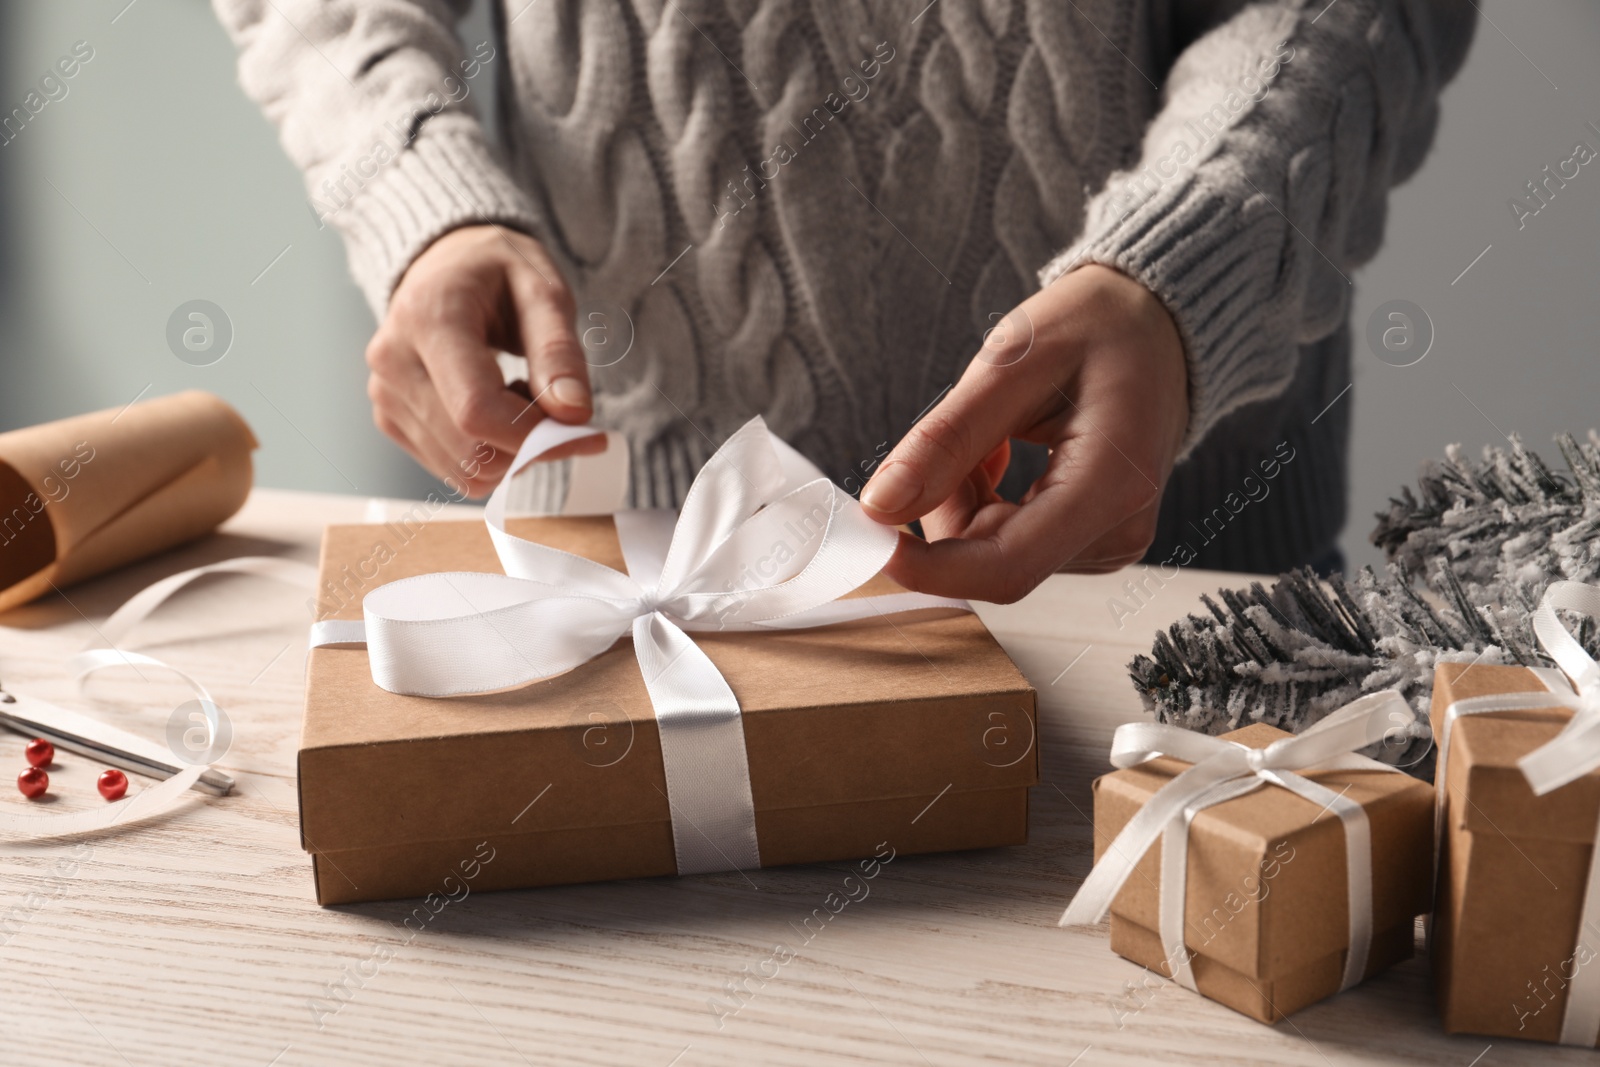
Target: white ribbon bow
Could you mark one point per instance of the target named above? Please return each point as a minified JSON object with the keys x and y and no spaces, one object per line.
{"x":1223,"y":770}
{"x":764,"y":541}
{"x":1571,"y":754}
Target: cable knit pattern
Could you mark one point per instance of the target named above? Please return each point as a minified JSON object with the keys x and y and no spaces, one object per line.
{"x":813,"y":209}
{"x":1252,"y":244}
{"x":348,"y":85}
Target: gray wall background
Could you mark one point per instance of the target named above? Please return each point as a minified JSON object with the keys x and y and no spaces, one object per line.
{"x":154,"y":182}
{"x":1516,"y":337}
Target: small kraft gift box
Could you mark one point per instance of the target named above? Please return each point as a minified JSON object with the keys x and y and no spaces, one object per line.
{"x":1264,"y":870}
{"x":581,"y":698}
{"x":1515,"y":939}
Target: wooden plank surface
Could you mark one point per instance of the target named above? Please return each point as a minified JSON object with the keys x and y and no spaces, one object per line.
{"x":195,"y":940}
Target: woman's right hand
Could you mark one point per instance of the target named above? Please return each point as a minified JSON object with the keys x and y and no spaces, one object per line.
{"x":436,"y":386}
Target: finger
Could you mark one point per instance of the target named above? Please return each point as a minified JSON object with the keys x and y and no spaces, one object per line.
{"x":448,"y":454}
{"x":1085,"y":492}
{"x":406,"y":406}
{"x":469,"y":471}
{"x":557,"y":371}
{"x":393,"y":425}
{"x":473,"y":472}
{"x":583,"y":446}
{"x":994,"y":467}
{"x":441,"y":423}
{"x":475,"y":465}
{"x":396,"y":371}
{"x":465,"y":373}
{"x":964,"y":429}
{"x":973,"y":509}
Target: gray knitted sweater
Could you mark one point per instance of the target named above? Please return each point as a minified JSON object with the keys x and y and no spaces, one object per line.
{"x":813,"y":211}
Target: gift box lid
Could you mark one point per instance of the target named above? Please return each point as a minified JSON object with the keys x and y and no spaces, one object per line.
{"x":899,"y":707}
{"x":1484,"y":753}
{"x":1267,"y":874}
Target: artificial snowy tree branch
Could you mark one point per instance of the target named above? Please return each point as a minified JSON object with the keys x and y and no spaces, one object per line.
{"x":1471,"y":552}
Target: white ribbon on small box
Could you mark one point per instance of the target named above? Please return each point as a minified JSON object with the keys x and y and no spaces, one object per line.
{"x":1223,"y":770}
{"x":713,"y":567}
{"x":1570,"y":755}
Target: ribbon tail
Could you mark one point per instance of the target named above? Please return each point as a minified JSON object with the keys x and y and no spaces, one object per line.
{"x":702,"y":749}
{"x":1573,"y":753}
{"x":1174,"y":897}
{"x":137,"y":607}
{"x":1171,"y":918}
{"x":338,"y":633}
{"x":145,"y":804}
{"x":1358,"y":867}
{"x":1093,"y":899}
{"x":1580,"y":1024}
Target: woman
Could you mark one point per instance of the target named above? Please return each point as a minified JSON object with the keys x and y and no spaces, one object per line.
{"x":1116,"y":232}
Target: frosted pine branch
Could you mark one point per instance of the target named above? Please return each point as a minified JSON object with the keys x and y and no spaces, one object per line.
{"x":1471,"y":552}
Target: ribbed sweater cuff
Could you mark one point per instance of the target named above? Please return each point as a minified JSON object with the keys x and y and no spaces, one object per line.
{"x":1202,"y":253}
{"x":445,"y":179}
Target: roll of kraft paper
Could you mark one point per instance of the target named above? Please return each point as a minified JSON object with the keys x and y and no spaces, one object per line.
{"x":86,"y":494}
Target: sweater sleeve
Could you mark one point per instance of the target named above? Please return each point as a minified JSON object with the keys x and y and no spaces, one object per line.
{"x":373,"y":101}
{"x":1262,"y":181}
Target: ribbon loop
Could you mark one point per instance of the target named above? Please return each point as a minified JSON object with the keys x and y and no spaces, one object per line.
{"x":739,"y":479}
{"x":1575,"y":751}
{"x":1570,"y":755}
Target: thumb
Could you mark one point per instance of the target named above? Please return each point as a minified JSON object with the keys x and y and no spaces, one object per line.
{"x":966,"y":428}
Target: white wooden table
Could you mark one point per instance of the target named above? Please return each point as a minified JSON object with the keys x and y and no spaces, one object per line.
{"x":195,"y":940}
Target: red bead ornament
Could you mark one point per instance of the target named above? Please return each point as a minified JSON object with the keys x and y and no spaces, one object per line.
{"x":33,"y":782}
{"x":113,"y":783}
{"x":40,"y":752}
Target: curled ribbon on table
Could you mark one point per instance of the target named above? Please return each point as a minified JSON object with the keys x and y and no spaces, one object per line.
{"x":132,"y":751}
{"x":764,"y":542}
{"x":1223,"y":770}
{"x":1568,"y":756}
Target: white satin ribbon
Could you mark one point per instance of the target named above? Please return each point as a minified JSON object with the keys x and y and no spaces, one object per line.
{"x":1223,"y":770}
{"x":764,"y":541}
{"x":146,"y":803}
{"x":1571,"y":754}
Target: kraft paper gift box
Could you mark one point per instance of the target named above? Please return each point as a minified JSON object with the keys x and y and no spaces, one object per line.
{"x":1266,"y":913}
{"x":916,"y":731}
{"x":1513,"y":865}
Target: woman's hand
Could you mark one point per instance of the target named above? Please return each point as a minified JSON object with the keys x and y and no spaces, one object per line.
{"x":1091,"y":367}
{"x":436,"y":387}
